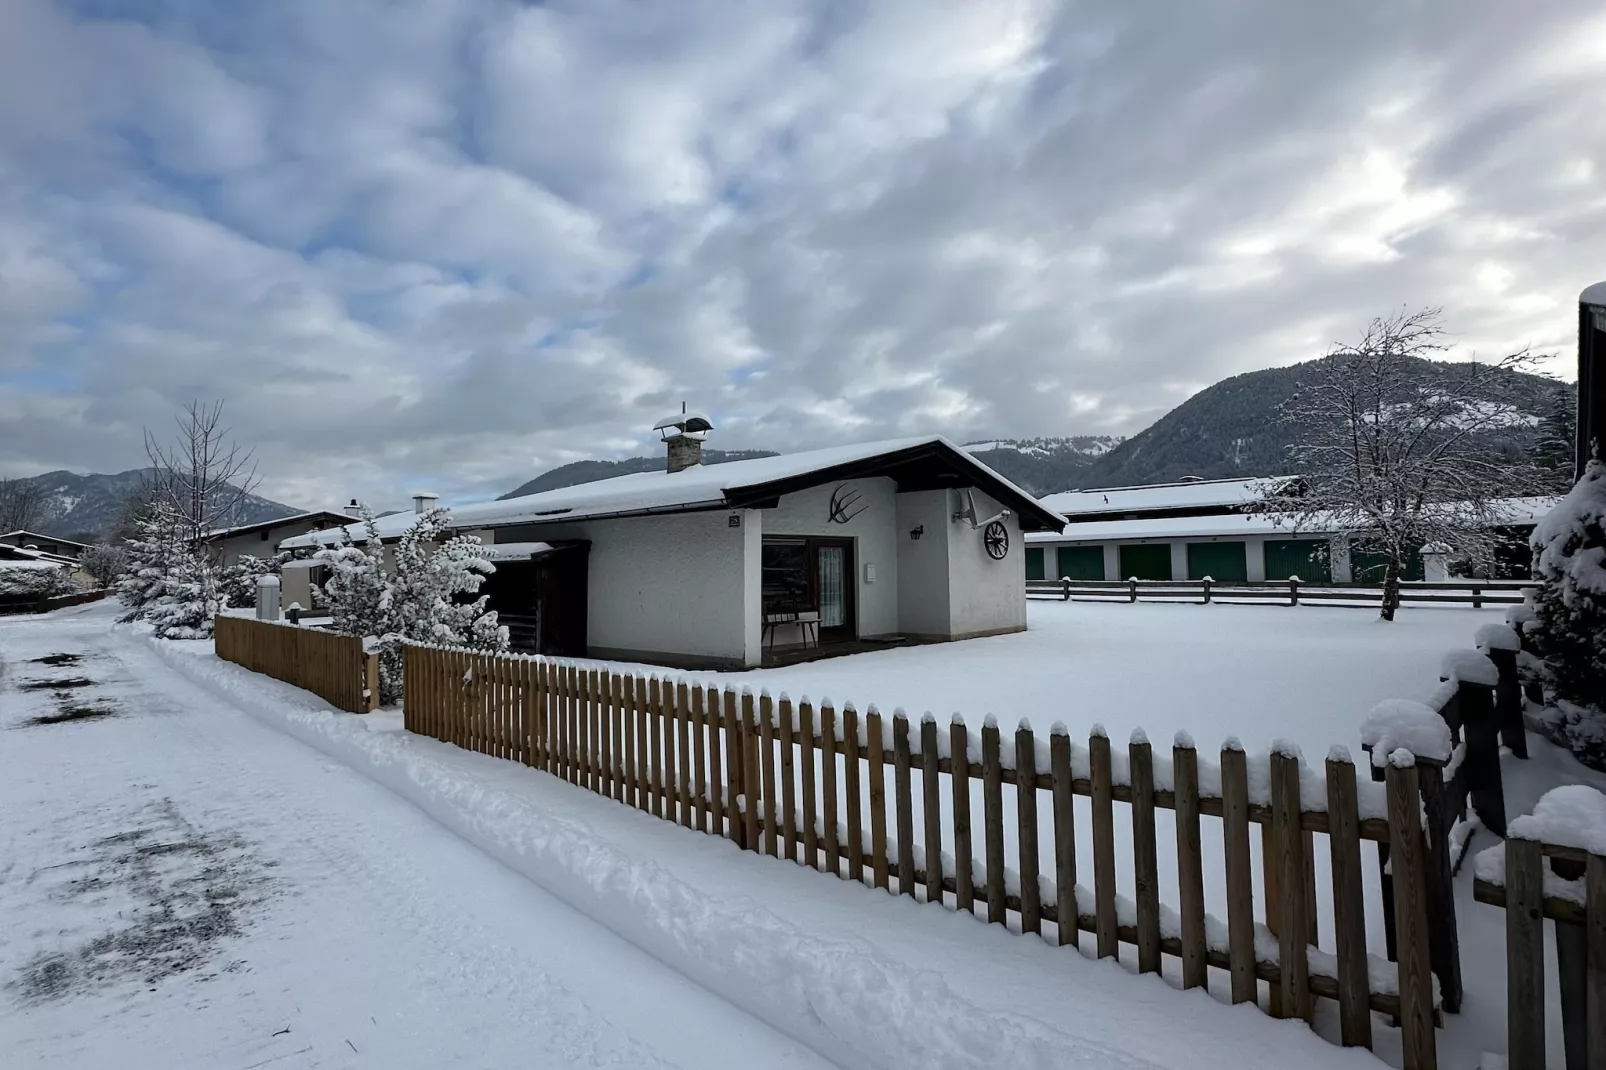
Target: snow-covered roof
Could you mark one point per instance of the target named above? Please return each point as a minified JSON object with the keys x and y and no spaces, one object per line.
{"x":1236,"y":525}
{"x":25,"y":564}
{"x":297,"y":518}
{"x":1593,"y":295}
{"x":514,"y":551}
{"x":1187,"y":495}
{"x":708,"y":487}
{"x":20,"y":534}
{"x":23,"y":553}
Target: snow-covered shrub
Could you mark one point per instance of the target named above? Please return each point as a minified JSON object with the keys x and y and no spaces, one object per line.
{"x":105,"y":564}
{"x":152,"y":552}
{"x":357,"y":591}
{"x":190,"y":599}
{"x":1569,"y":625}
{"x":32,"y":580}
{"x":238,"y":582}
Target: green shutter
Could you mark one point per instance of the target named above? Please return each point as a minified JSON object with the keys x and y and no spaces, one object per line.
{"x":1146,"y":561}
{"x":1305,"y":558}
{"x":1034,"y":562}
{"x":1224,"y":561}
{"x":1080,"y":563}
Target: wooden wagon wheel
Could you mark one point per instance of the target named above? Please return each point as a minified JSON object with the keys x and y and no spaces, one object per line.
{"x":995,"y":537}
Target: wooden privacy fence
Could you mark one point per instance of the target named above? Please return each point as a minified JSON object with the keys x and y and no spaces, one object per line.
{"x":765,"y":774}
{"x":1292,"y":592}
{"x":45,"y":605}
{"x":1555,"y":870}
{"x":331,"y":666}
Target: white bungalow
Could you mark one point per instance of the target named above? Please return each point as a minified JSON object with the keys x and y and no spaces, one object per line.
{"x":732,"y":565}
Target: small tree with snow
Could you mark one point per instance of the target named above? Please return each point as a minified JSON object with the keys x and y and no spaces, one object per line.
{"x":239,"y":580}
{"x":1569,"y":626}
{"x":105,"y":564}
{"x":357,"y":591}
{"x":153,"y":552}
{"x":190,"y":599}
{"x":1392,"y":449}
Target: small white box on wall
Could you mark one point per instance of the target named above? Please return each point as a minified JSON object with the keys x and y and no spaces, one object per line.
{"x":869,"y":572}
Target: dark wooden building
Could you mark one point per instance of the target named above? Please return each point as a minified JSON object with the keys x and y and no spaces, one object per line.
{"x":1591,"y":375}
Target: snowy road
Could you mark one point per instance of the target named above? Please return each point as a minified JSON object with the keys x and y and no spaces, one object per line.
{"x":182,"y":886}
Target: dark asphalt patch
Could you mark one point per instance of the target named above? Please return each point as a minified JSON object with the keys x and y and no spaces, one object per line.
{"x":65,"y":683}
{"x":58,"y":661}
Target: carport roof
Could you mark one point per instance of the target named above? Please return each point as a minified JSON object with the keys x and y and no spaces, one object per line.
{"x":927,"y":463}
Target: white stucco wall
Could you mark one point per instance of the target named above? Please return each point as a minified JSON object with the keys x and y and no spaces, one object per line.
{"x":684,"y":584}
{"x":985,"y":595}
{"x":923,"y":563}
{"x":872,"y":529}
{"x":228,"y":551}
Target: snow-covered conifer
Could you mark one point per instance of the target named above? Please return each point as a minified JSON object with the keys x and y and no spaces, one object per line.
{"x":152,"y":552}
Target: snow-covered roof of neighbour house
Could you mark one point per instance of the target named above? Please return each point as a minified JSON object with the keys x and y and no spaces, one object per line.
{"x":10,"y":553}
{"x":515,"y":551}
{"x":334,"y":515}
{"x":1514,"y":511}
{"x":1191,"y":494}
{"x":20,"y":564}
{"x":931,"y":460}
{"x":21,"y":534}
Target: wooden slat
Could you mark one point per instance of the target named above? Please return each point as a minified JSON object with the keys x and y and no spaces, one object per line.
{"x":1103,"y":846}
{"x":875,"y":755}
{"x":1406,"y":859}
{"x":811,"y":801}
{"x":785,"y":731}
{"x":716,"y":778}
{"x":531,"y":712}
{"x":735,"y":767}
{"x":1190,"y":865}
{"x":1145,"y":854}
{"x":1059,"y":759}
{"x":688,"y":790}
{"x":828,"y":820}
{"x":643,"y":755}
{"x":992,"y":817}
{"x":1240,"y":884}
{"x":1525,"y":956}
{"x":903,"y":804}
{"x":766,"y":758}
{"x":1595,"y":960}
{"x":1288,"y":844}
{"x":850,"y":771}
{"x":752,"y":781}
{"x":699,"y":757}
{"x":656,"y":728}
{"x":1031,"y":905}
{"x":1349,"y":906}
{"x":588,"y":729}
{"x":964,"y":877}
{"x":931,"y":807}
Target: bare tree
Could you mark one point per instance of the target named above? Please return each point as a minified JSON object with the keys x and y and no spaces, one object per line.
{"x":22,"y":504}
{"x":1393,"y":451}
{"x":204,"y":475}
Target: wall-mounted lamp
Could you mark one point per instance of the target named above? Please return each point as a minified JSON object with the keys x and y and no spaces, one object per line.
{"x":915,"y":533}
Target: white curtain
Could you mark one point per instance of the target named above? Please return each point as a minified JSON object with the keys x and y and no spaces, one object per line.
{"x":832,"y":603}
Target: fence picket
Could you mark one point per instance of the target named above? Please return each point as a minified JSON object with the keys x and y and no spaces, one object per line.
{"x":903,"y":804}
{"x":931,"y":806}
{"x":1525,"y":956}
{"x":655,"y":723}
{"x":686,"y":789}
{"x":1103,"y":845}
{"x":1145,"y":854}
{"x":1349,"y":905}
{"x":642,"y":710}
{"x":850,"y":769}
{"x":1031,"y":906}
{"x":1190,"y":863}
{"x":1059,"y":759}
{"x":766,"y":750}
{"x":699,"y":757}
{"x":811,"y":831}
{"x":875,"y":756}
{"x":964,"y":877}
{"x":752,"y":780}
{"x":1240,"y":886}
{"x":714,"y":740}
{"x":785,"y":733}
{"x":1294,"y":928}
{"x":1595,"y":958}
{"x":992,"y":817}
{"x":1419,"y":1044}
{"x":833,"y":859}
{"x":732,"y":747}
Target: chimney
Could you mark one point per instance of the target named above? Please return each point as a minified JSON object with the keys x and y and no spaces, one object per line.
{"x":424,"y":501}
{"x":683,"y":435}
{"x":353,"y":508}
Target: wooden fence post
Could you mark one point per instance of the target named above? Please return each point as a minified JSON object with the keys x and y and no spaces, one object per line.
{"x":1595,"y":945}
{"x":1190,"y":861}
{"x":875,"y":759}
{"x":903,"y":803}
{"x":1240,"y":881}
{"x":1293,"y":590}
{"x":1349,"y":902}
{"x":828,"y":809}
{"x":1133,"y":582}
{"x":964,"y":858}
{"x":1508,"y":701}
{"x":1067,"y":582}
{"x":1572,"y":974}
{"x":992,"y":816}
{"x":1443,"y":935}
{"x":766,"y":750}
{"x":1109,"y":943}
{"x":811,"y":802}
{"x":1145,"y":852}
{"x":1293,"y":927}
{"x":1206,"y":583}
{"x":1418,"y":1041}
{"x":1059,"y":758}
{"x":1525,"y":956}
{"x":751,"y":783}
{"x":1481,"y":765}
{"x":931,"y":806}
{"x":1031,"y":906}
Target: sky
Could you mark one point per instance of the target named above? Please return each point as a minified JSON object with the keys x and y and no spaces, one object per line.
{"x":459,"y":242}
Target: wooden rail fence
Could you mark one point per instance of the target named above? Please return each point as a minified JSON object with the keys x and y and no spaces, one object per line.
{"x":1293,"y":592}
{"x":765,"y":774}
{"x":331,"y":666}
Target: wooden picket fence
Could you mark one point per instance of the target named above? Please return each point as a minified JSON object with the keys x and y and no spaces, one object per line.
{"x":331,"y":666}
{"x":1290,"y":592}
{"x":764,"y":773}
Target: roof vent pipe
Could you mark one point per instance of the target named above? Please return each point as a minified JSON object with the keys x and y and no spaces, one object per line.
{"x":424,"y":501}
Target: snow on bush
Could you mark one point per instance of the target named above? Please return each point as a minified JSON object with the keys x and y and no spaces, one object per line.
{"x":169,"y":582}
{"x":1569,"y":626}
{"x":151,"y":552}
{"x":427,"y":598}
{"x":190,"y":599}
{"x":238,"y":582}
{"x":22,"y":580}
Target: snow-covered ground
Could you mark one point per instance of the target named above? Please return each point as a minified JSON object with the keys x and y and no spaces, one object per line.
{"x":186,"y":882}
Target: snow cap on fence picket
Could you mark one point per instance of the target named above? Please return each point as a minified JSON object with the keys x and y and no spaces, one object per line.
{"x":1059,"y":729}
{"x":1138,"y":737}
{"x":928,"y":718}
{"x":1400,"y":724}
{"x":1402,"y":758}
{"x":1339,"y":753}
{"x":1232,"y":743}
{"x":990,"y":721}
{"x":958,"y":718}
{"x":1098,"y":732}
{"x":1573,"y":815}
{"x":1183,"y":739}
{"x":1288,"y":749}
{"x":1025,"y":725}
{"x":898,"y":714}
{"x":1468,"y":667}
{"x":1497,"y":637}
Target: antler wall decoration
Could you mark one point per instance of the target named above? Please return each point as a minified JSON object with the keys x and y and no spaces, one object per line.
{"x":846,"y":503}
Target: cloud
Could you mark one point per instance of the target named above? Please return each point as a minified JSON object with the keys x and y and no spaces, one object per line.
{"x":459,"y":241}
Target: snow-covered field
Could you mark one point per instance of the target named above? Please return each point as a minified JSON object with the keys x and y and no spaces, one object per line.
{"x":220,"y":871}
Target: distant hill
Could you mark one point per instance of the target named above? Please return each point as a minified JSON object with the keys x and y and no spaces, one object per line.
{"x":577,"y":472}
{"x":89,"y":505}
{"x":1232,"y":429}
{"x":1044,"y":465}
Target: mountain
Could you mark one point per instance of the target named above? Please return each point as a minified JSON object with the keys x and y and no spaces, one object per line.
{"x":578,"y":472}
{"x":1232,"y":429}
{"x":1043,"y":465}
{"x":89,"y":505}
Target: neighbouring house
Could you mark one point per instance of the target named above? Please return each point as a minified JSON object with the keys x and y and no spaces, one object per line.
{"x":1591,"y":435}
{"x":732,"y":565}
{"x":262,"y":539}
{"x":1198,"y":528}
{"x":28,"y":558}
{"x":50,"y":544}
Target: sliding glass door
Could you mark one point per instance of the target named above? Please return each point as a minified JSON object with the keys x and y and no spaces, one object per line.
{"x":811,"y":576}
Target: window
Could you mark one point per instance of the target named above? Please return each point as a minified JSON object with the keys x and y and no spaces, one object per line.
{"x":1034,"y":562}
{"x":807,"y":575}
{"x":788,"y":578}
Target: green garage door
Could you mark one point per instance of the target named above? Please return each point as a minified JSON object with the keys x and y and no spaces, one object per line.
{"x":1368,"y":566}
{"x":1148,"y":561}
{"x":1305,"y":558}
{"x":1081,"y":563}
{"x":1034,"y":562}
{"x":1224,"y":561}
